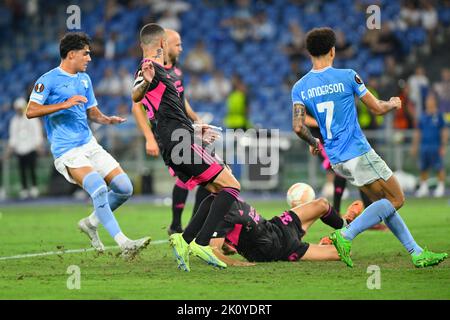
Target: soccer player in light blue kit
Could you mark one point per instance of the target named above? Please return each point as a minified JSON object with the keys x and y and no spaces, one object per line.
{"x":65,"y":98}
{"x":328,"y":94}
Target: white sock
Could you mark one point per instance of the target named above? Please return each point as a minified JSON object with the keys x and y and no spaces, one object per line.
{"x":120,"y":238}
{"x":94,"y":220}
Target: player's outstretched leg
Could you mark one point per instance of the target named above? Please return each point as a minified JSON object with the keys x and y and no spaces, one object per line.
{"x":367,"y":202}
{"x":206,"y":254}
{"x":228,"y":189}
{"x":382,"y":210}
{"x":121,"y":190}
{"x":353,"y":210}
{"x":131,"y":248}
{"x":91,"y":231}
{"x":196,"y":224}
{"x":180,"y":242}
{"x":200,"y":195}
{"x":343,"y":246}
{"x":95,"y":186}
{"x":179,"y":196}
{"x":339,"y":188}
{"x":428,"y":258}
{"x":180,"y":249}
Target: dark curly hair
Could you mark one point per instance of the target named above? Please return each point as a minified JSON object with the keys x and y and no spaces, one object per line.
{"x":73,"y":41}
{"x":319,"y":41}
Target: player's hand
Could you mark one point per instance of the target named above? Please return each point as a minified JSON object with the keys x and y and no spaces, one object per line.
{"x":396,"y":102}
{"x":148,"y":70}
{"x":316,"y":150}
{"x":75,"y":100}
{"x":152,"y":148}
{"x":116,"y":120}
{"x":238,"y":263}
{"x":442,"y":151}
{"x":207,"y":134}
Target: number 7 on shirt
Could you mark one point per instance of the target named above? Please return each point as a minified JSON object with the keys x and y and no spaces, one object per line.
{"x":328,"y":107}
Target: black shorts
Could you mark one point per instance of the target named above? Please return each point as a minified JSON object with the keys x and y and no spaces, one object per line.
{"x":292,"y":247}
{"x":198,"y":167}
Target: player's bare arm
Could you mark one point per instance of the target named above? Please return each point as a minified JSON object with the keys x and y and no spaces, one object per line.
{"x":216,"y":245}
{"x":311,"y":122}
{"x":320,"y":253}
{"x":191,"y":113}
{"x":95,"y":115}
{"x":301,"y":129}
{"x":380,"y":107}
{"x":143,"y":80}
{"x":35,"y":110}
{"x":151,"y":146}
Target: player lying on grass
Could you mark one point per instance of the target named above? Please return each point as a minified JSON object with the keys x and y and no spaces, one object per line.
{"x":328,"y":94}
{"x":277,"y":239}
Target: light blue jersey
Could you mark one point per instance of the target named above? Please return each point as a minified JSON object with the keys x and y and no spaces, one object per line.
{"x":328,"y":94}
{"x":66,"y":129}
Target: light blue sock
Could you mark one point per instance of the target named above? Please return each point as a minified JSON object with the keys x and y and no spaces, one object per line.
{"x":121,"y":191}
{"x":372,"y":215}
{"x":94,"y":184}
{"x":400,"y":230}
{"x":375,"y":213}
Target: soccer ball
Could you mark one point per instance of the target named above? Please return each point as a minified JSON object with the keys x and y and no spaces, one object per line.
{"x":300,"y":193}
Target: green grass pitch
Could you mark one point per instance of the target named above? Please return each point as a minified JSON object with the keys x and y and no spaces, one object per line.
{"x":30,"y":229}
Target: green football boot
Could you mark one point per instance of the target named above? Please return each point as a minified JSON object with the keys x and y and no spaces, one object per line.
{"x":428,"y":258}
{"x":343,"y":247}
{"x":181,"y":251}
{"x":206,"y":254}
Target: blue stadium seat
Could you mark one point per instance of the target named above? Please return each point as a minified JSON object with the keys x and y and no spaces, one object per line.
{"x":261,"y":69}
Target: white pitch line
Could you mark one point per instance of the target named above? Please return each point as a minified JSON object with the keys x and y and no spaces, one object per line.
{"x":61,"y":252}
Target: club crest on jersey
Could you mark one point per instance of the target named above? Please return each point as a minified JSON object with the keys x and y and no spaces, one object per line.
{"x":358,"y":79}
{"x":39,"y":87}
{"x":85,"y":83}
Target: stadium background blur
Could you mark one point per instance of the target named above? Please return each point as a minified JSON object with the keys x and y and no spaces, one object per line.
{"x":256,"y":47}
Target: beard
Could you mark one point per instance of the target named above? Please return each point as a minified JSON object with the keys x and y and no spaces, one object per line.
{"x":172,"y":60}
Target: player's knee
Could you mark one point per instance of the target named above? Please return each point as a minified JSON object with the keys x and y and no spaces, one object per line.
{"x":121,"y":184}
{"x":236,"y":185}
{"x":94,"y":184}
{"x":127,"y":190}
{"x":323,"y":204}
{"x":232,"y":183}
{"x":398,"y":201}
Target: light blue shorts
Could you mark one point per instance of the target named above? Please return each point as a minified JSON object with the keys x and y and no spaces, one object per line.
{"x":363,"y":170}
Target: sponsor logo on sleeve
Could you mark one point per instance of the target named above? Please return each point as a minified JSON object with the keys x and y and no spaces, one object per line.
{"x":358,"y":79}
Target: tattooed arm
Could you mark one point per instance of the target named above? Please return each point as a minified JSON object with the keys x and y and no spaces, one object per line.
{"x":142,"y":81}
{"x":300,"y":128}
